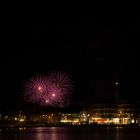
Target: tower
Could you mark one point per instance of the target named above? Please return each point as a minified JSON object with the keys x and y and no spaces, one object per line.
{"x":117,"y":84}
{"x":117,"y":90}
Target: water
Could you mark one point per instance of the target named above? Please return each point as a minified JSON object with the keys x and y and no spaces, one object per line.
{"x":70,"y":133}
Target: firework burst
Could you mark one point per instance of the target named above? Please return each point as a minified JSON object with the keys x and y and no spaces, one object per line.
{"x":62,"y":86}
{"x":54,"y":90}
{"x":35,"y":89}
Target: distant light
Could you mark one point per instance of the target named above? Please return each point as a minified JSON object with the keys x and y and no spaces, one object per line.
{"x":15,"y":119}
{"x":21,"y":120}
{"x":88,"y":115}
{"x":116,"y":120}
{"x":132,"y":121}
{"x":6,"y":117}
{"x":84,"y":114}
{"x":22,"y":128}
{"x":116,"y":83}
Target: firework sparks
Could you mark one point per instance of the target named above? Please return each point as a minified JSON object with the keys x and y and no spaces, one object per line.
{"x":53,"y":95}
{"x":36,"y":89}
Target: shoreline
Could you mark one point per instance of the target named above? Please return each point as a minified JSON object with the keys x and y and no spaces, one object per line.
{"x":76,"y":126}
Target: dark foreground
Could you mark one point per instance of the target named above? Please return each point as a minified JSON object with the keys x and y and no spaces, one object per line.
{"x":70,"y":133}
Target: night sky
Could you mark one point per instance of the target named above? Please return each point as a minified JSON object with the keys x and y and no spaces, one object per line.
{"x":92,"y":52}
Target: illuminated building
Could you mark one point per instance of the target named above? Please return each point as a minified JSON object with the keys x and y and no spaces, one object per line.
{"x":72,"y":119}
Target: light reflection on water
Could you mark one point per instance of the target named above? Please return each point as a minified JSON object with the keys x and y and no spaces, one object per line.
{"x":65,"y":133}
{"x":52,"y":133}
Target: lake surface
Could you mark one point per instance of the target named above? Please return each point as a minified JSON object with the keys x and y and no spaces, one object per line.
{"x":70,"y":133}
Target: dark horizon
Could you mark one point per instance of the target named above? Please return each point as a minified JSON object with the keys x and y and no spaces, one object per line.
{"x":91,"y":53}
